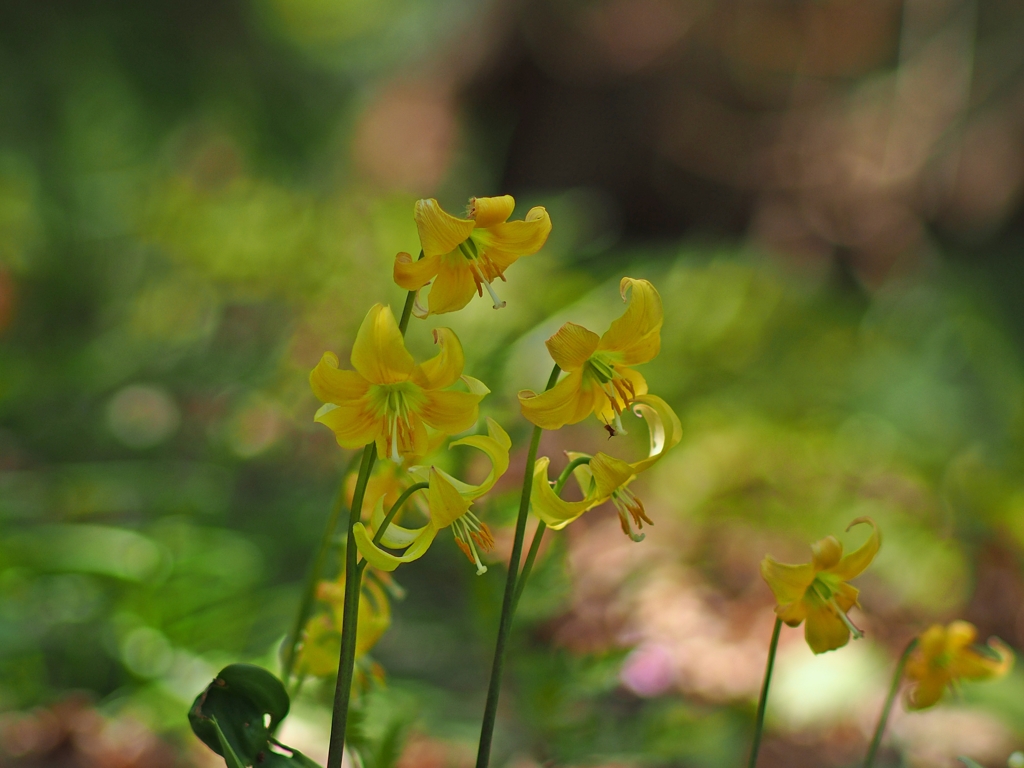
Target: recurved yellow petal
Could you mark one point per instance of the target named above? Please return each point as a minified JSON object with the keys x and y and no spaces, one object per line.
{"x":445,"y":368}
{"x":496,"y":445}
{"x":609,"y":474}
{"x":824,"y":630}
{"x":386,"y":561}
{"x":926,"y":692}
{"x":663,"y":428}
{"x":488,"y":211}
{"x":787,"y":582}
{"x":446,"y":504}
{"x":353,"y":424}
{"x":826,"y":553}
{"x":571,"y":346}
{"x":379,"y":352}
{"x":568,"y":402}
{"x":857,"y":561}
{"x":411,"y":274}
{"x":454,"y":287}
{"x":450,"y":411}
{"x":396,"y":536}
{"x":547,"y":506}
{"x":507,"y":241}
{"x":440,"y":232}
{"x":331,"y":384}
{"x":636,"y":336}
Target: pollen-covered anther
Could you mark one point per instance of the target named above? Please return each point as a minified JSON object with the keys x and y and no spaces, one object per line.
{"x":626,"y":501}
{"x":483,"y":538}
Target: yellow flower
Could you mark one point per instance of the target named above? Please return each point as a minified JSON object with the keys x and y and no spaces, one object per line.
{"x":818,"y":591}
{"x":321,"y":642}
{"x":946,"y":655}
{"x":464,"y":256}
{"x":606,"y":477}
{"x":448,"y":502}
{"x":600,"y":378}
{"x":390,"y":399}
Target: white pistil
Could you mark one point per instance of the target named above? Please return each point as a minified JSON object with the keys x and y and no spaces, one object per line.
{"x":394,"y":440}
{"x":498,"y":303}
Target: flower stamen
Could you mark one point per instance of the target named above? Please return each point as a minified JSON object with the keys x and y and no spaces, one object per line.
{"x":471,"y":533}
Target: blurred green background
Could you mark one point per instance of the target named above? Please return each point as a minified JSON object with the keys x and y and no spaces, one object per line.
{"x":199,"y":197}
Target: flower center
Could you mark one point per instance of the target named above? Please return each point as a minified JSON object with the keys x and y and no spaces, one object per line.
{"x":471,"y":533}
{"x":617,"y":388}
{"x":396,"y":403}
{"x":484,"y":270}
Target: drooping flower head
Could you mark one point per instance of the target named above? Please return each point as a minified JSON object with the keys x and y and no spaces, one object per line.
{"x":321,"y":640}
{"x":946,"y":655}
{"x":600,"y":377}
{"x":388,"y":398}
{"x":448,"y":501}
{"x":818,"y":593}
{"x":607,"y":478}
{"x":465,"y":256}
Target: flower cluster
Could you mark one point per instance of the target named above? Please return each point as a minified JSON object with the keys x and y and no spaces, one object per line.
{"x":407,"y":410}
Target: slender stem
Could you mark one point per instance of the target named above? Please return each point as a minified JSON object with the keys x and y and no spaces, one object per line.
{"x":395,"y":507}
{"x":531,"y":555}
{"x":483,"y":755}
{"x":410,"y":300}
{"x":353,"y":579}
{"x":564,"y":477}
{"x":346,"y":662}
{"x":759,"y":724}
{"x":313,"y":577}
{"x":876,"y":741}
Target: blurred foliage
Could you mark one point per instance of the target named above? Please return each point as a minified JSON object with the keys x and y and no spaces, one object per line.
{"x":198,"y":198}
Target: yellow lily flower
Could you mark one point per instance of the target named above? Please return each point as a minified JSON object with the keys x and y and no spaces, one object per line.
{"x":465,"y":256}
{"x":606,"y":477}
{"x":388,"y":398}
{"x":600,"y":377}
{"x":321,"y":643}
{"x":448,"y":502}
{"x":946,"y":655}
{"x":818,"y":591}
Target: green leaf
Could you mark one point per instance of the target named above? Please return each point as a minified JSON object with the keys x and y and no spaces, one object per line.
{"x":234,"y":710}
{"x":969,"y":763}
{"x":295,"y":760}
{"x":263,"y":689}
{"x":229,"y":754}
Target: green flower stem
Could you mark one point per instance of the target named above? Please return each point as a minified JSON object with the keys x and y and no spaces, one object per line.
{"x":346,"y":663}
{"x":759,"y":723}
{"x":353,"y":578}
{"x":483,"y":754}
{"x":876,"y":741}
{"x":410,"y":300}
{"x":541,"y":527}
{"x":531,"y":555}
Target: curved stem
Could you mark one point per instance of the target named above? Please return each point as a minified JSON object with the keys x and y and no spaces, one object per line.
{"x":541,"y":527}
{"x":564,"y":477}
{"x":876,"y":741}
{"x":759,"y":722}
{"x":410,"y":300}
{"x":395,"y":507}
{"x":346,"y":662}
{"x":483,"y":754}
